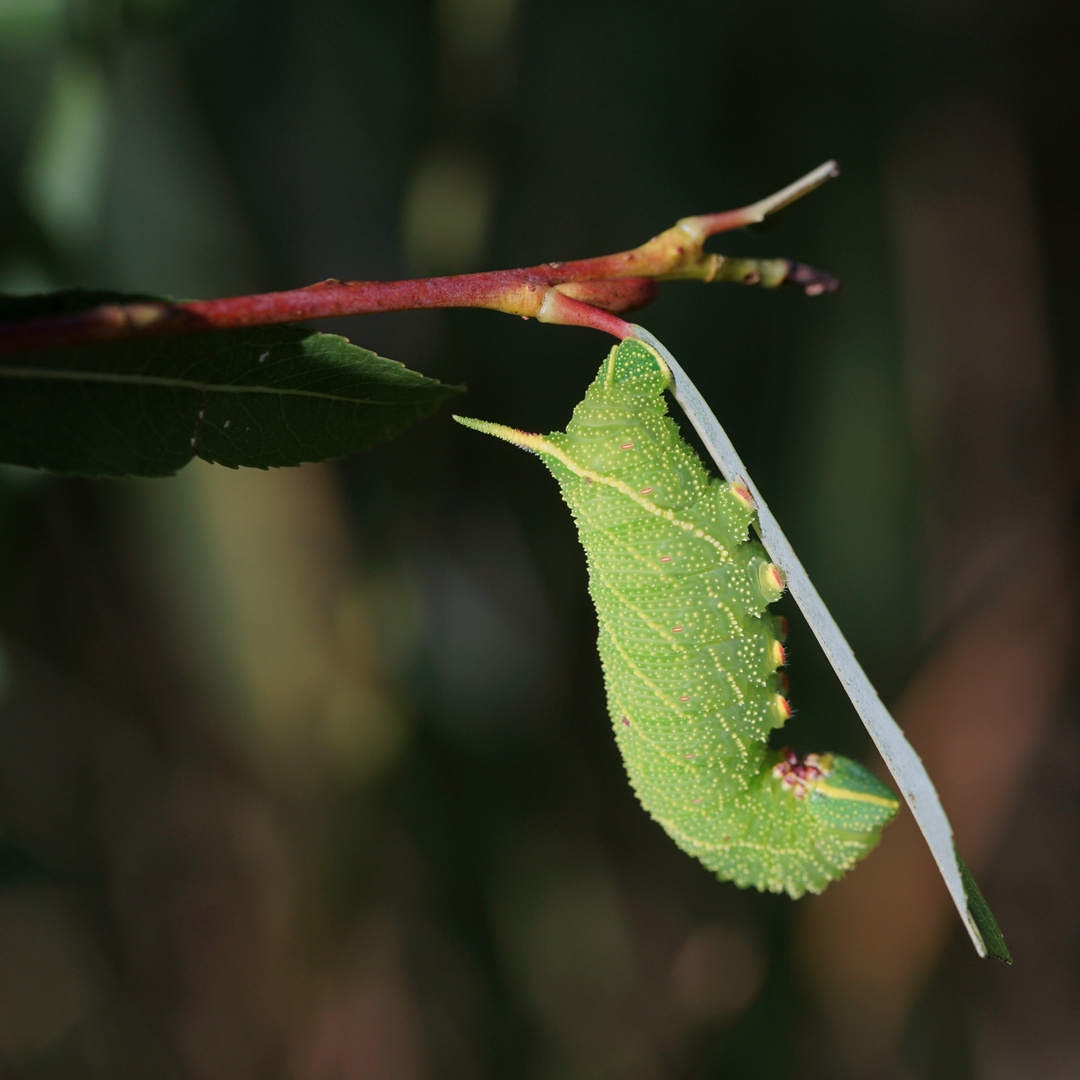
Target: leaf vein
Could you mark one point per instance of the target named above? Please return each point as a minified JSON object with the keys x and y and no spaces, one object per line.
{"x":167,"y":383}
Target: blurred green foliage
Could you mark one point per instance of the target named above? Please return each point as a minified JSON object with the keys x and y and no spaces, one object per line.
{"x":307,"y":773}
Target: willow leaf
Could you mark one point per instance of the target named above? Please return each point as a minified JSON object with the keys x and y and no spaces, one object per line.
{"x":899,"y":755}
{"x":259,"y":397}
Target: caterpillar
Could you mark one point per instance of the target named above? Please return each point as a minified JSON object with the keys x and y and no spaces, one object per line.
{"x":692,"y":657}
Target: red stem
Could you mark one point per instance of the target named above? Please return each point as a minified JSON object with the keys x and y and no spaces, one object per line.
{"x":586,"y":292}
{"x":517,"y":292}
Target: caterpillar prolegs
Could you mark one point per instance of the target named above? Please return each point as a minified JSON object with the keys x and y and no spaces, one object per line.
{"x":691,"y":655}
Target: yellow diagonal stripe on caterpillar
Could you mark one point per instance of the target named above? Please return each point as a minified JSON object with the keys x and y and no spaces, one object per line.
{"x":690,"y":652}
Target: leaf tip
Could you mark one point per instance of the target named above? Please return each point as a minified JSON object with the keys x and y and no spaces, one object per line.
{"x":979,"y":910}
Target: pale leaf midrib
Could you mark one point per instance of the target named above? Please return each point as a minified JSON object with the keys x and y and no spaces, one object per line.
{"x":165,"y":383}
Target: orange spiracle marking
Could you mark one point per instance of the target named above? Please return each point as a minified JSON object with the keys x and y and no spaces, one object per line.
{"x":742,"y":493}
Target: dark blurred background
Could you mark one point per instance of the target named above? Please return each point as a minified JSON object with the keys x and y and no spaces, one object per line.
{"x":308,"y":774}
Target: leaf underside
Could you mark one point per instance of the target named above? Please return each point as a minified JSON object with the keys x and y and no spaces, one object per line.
{"x":261,"y":397}
{"x":903,"y":762}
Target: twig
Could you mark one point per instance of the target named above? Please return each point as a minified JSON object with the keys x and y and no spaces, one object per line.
{"x":597,"y":288}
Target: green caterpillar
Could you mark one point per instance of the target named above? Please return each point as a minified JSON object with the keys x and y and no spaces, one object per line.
{"x":691,"y":657}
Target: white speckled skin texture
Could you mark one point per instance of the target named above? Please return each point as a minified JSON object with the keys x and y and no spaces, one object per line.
{"x":689,"y":651}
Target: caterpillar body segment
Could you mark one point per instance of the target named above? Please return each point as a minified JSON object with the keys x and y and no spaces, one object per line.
{"x":691,"y":656}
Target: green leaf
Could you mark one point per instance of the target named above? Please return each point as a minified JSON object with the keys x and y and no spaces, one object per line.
{"x":260,"y":397}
